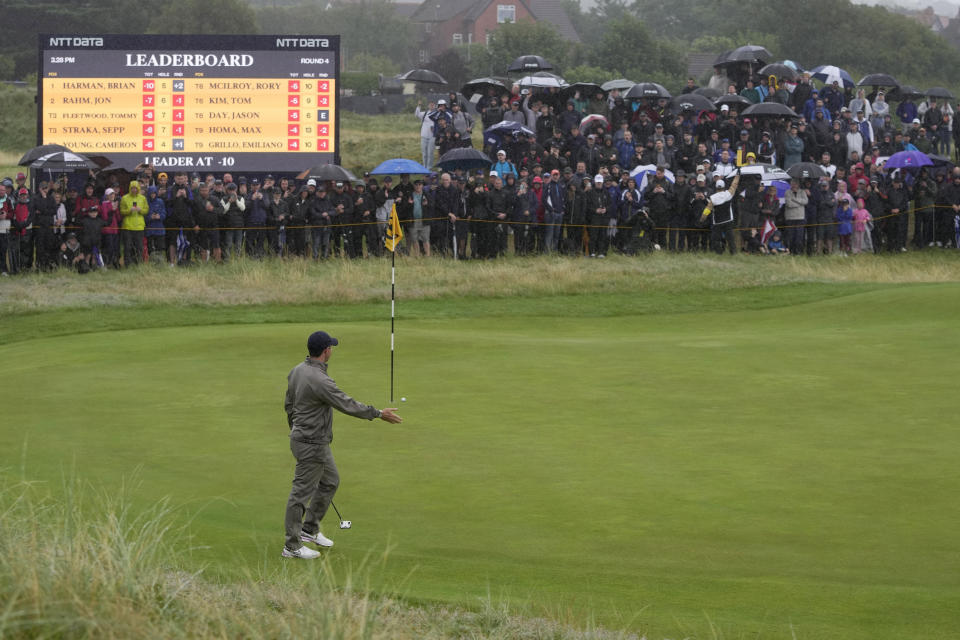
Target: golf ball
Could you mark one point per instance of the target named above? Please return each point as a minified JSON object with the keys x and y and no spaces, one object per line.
{"x":403,"y":399}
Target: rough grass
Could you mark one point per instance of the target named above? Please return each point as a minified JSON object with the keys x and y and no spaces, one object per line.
{"x":297,"y":282}
{"x":366,"y":141}
{"x":88,"y":565}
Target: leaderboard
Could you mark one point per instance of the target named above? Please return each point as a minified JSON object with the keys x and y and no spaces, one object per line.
{"x":197,"y":103}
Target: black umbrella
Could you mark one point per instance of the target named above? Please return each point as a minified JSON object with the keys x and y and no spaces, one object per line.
{"x":524,"y":64}
{"x":483,"y":86}
{"x":803,"y":170}
{"x":878,"y":80}
{"x":691,"y":102}
{"x":63,"y":161}
{"x":333,"y":172}
{"x":42,"y":150}
{"x":769,"y":109}
{"x":746,"y":53}
{"x":733,"y":100}
{"x":586,"y":89}
{"x":779,"y":70}
{"x":465,"y":158}
{"x":647,"y":90}
{"x":620,"y":84}
{"x":422,"y":75}
{"x":707,"y":92}
{"x":939,"y":92}
{"x":904,"y":91}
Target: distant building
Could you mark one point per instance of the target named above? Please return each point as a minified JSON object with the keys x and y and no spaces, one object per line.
{"x":930,"y":19}
{"x":448,"y":23}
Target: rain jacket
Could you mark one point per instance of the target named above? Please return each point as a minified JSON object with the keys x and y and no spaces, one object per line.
{"x":311,"y":397}
{"x":133,"y":219}
{"x":111,"y":216}
{"x":155,"y":227}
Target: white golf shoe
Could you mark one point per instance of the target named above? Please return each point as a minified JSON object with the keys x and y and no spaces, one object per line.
{"x":317,"y":538}
{"x":303,"y":553}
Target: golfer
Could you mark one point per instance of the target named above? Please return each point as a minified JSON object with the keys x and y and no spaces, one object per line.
{"x":311,"y":397}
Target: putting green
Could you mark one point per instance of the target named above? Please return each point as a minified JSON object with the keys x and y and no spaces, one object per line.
{"x":764,"y":473}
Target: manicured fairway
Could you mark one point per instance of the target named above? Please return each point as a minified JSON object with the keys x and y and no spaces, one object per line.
{"x":777,"y":473}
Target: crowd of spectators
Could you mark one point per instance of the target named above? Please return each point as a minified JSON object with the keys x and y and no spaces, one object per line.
{"x":846,"y":132}
{"x":560,"y":187}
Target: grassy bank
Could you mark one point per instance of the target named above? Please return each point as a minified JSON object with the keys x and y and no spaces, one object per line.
{"x":76,"y":562}
{"x":345,"y":282}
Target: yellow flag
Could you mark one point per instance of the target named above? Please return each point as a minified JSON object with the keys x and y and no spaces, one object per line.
{"x":394,"y":232}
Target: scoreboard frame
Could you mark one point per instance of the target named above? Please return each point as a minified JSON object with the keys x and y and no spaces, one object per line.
{"x":196,"y":50}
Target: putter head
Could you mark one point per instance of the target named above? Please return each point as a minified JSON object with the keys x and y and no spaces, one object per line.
{"x":345,"y":524}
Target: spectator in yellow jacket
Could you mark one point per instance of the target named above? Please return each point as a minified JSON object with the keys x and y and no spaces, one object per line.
{"x":133,"y":208}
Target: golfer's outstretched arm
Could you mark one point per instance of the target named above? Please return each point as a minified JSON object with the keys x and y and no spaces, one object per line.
{"x":343,"y":403}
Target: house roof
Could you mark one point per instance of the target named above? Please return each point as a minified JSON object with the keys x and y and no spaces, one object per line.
{"x":549,"y":11}
{"x":435,"y":11}
{"x":553,"y":12}
{"x":406,"y":9}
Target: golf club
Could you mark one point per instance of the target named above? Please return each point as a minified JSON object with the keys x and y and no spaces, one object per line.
{"x":344,"y":524}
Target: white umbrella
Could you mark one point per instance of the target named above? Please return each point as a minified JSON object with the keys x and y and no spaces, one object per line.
{"x":648,"y":170}
{"x":765,"y":171}
{"x":544,"y":82}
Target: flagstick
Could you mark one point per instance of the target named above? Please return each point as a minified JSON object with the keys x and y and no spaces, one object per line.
{"x":393,"y":297}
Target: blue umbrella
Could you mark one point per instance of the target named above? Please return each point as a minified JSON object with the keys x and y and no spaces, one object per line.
{"x":827,"y":74}
{"x":398,"y":166}
{"x":908,"y":160}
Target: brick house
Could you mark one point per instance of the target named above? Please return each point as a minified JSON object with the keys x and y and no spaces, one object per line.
{"x":447,"y":23}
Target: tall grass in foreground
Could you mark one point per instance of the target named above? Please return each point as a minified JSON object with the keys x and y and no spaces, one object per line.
{"x":342,"y":281}
{"x":86,"y":564}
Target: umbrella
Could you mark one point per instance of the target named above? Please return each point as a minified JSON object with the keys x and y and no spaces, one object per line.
{"x":42,"y":150}
{"x":63,"y":161}
{"x":733,"y":100}
{"x":101,"y":161}
{"x":647,"y":90}
{"x":769,"y":109}
{"x":905,"y":91}
{"x":908,"y":160}
{"x":544,"y":82}
{"x":422,"y":75}
{"x":707,"y":92}
{"x":878,"y":80}
{"x":524,"y":64}
{"x":494,"y":135}
{"x":585,"y":88}
{"x":939,"y":92}
{"x":828,"y":74}
{"x":398,"y":166}
{"x":620,"y":84}
{"x":793,"y":65}
{"x":767,"y":172}
{"x":333,"y":172}
{"x":591,"y":121}
{"x":779,"y":70}
{"x":691,"y":102}
{"x":782,"y":187}
{"x":746,"y":53}
{"x":465,"y":158}
{"x":483,"y":85}
{"x":803,"y":170}
{"x":641,"y":172}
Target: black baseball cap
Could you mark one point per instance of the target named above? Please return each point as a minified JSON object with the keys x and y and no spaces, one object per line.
{"x":320,"y":340}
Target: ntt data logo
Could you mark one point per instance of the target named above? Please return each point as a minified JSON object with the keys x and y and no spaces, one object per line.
{"x":76,"y":42}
